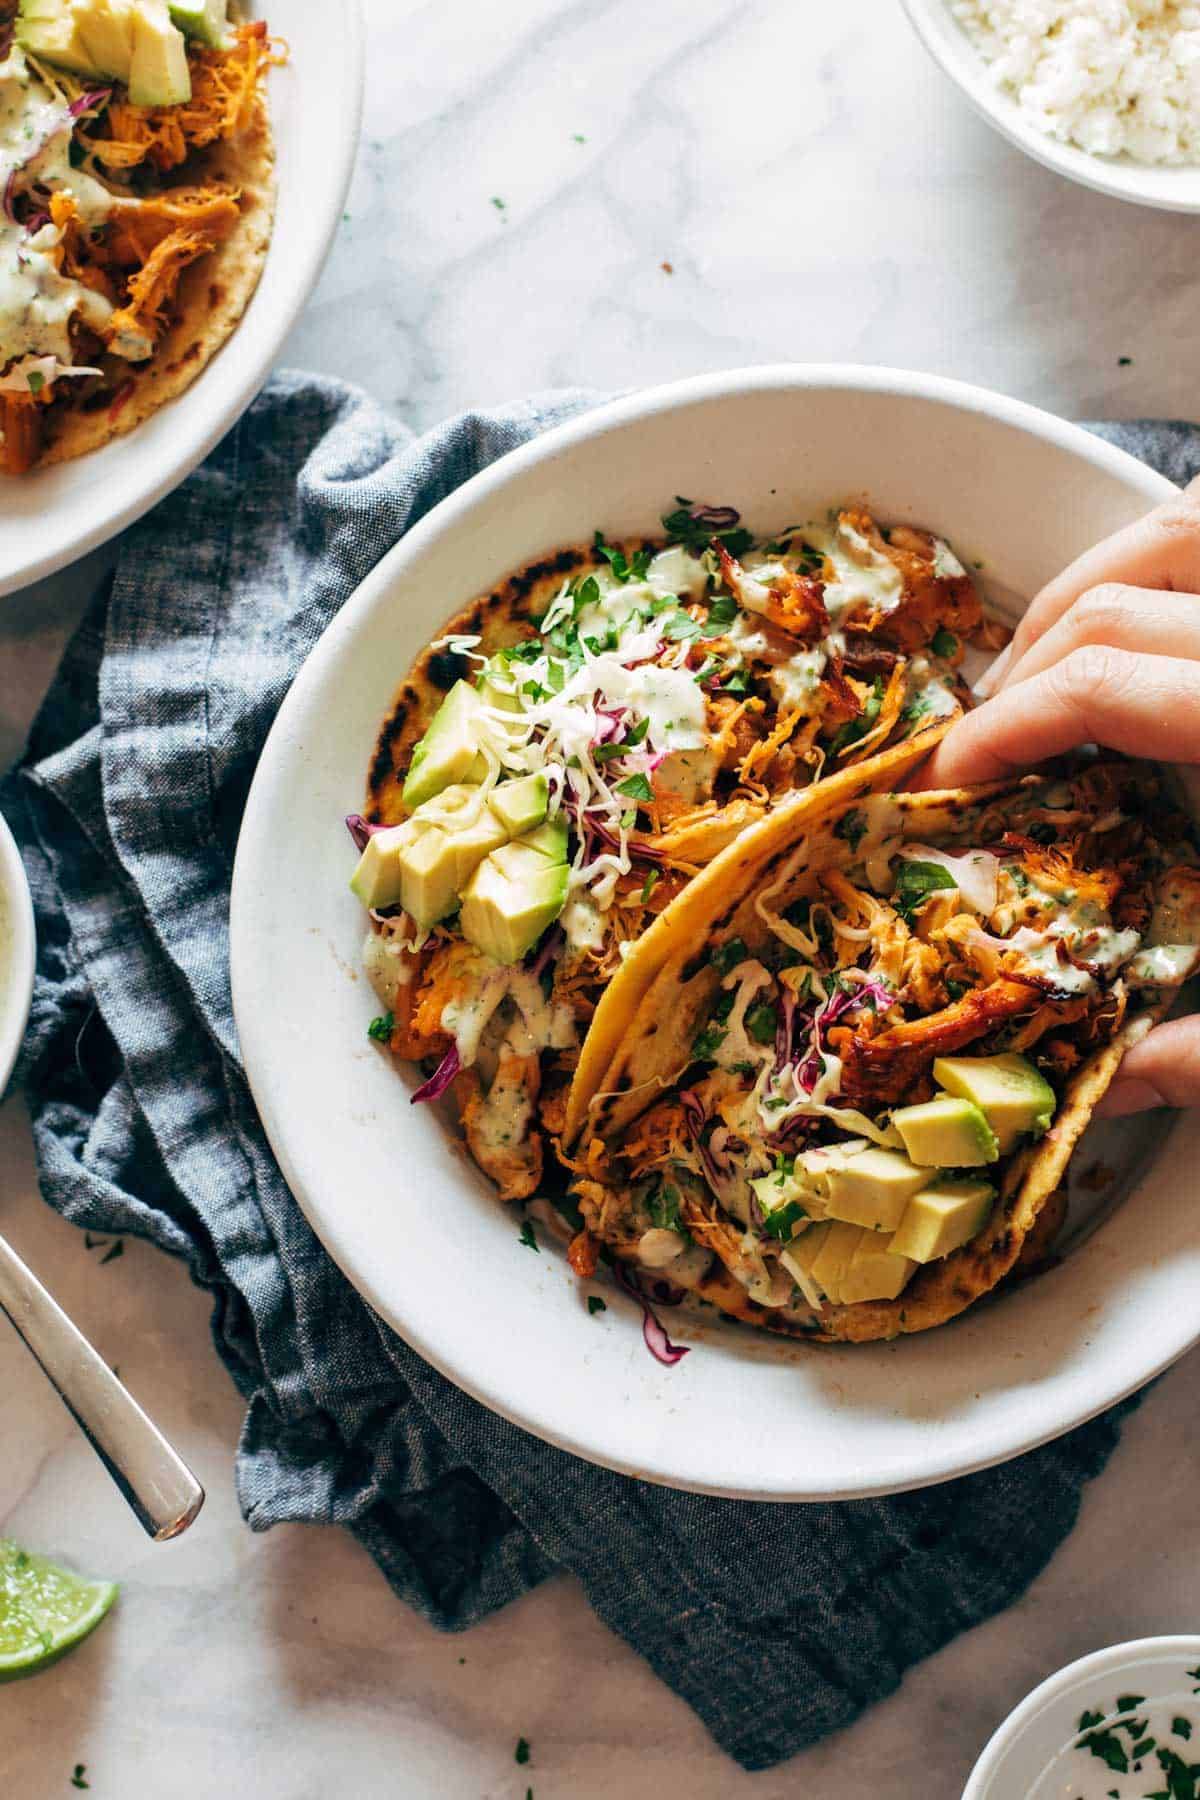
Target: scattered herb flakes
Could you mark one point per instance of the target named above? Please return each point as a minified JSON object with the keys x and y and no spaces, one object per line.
{"x":577,"y":137}
{"x":79,"y":1776}
{"x":36,"y":380}
{"x":528,"y":1794}
{"x":727,"y":956}
{"x":596,"y":1304}
{"x":380,"y":1029}
{"x":521,"y":1753}
{"x":499,"y":204}
{"x":1130,"y":1702}
{"x":1106,"y":1745}
{"x":1124,"y":362}
{"x":1142,"y":1749}
{"x":943,"y":643}
{"x":914,"y":884}
{"x":635,"y":787}
{"x":527,"y":1237}
{"x":852,"y":827}
{"x":649,"y":885}
{"x":1181,"y":1728}
{"x":113,"y":1251}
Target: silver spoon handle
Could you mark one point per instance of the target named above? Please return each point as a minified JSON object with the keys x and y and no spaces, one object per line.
{"x":159,"y":1487}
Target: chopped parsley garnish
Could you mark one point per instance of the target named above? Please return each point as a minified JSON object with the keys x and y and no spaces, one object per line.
{"x":780,"y":1222}
{"x":727,"y":956}
{"x":1106,"y":1745}
{"x":1130,"y":1702}
{"x":737,"y":683}
{"x":680,"y":628}
{"x":635,"y":787}
{"x":499,"y":204}
{"x":624,"y":569}
{"x":637,"y":733}
{"x":521,"y":1753}
{"x":915,"y":882}
{"x":955,"y":989}
{"x":526,"y":1236}
{"x":761,"y":1023}
{"x":854,"y":729}
{"x":919,"y":707}
{"x":649,"y":885}
{"x":706,"y":1043}
{"x":663,"y":1207}
{"x":595,"y":1304}
{"x":78,"y":1775}
{"x":852,"y":826}
{"x":1181,"y":1727}
{"x":36,"y":380}
{"x":380,"y":1029}
{"x":696,"y":534}
{"x":943,"y":643}
{"x":723,"y":610}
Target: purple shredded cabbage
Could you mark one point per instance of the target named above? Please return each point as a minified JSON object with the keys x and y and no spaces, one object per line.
{"x":653,"y":1333}
{"x":440,"y":1080}
{"x":720,"y":518}
{"x":89,"y":102}
{"x":361,"y":829}
{"x":551,"y":947}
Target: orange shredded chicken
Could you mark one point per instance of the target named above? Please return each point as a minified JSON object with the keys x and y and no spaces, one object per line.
{"x":226,"y":95}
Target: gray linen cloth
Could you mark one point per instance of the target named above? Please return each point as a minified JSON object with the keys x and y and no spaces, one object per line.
{"x":777,"y":1624}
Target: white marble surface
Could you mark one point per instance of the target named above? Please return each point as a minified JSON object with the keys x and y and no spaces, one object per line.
{"x":819,"y":193}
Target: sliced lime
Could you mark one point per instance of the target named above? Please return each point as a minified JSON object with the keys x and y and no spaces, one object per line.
{"x":44,"y":1610}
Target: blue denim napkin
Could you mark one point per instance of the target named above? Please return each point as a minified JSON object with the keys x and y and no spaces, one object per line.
{"x":777,"y":1624}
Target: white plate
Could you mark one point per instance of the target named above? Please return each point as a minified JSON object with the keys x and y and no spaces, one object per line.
{"x":1047,"y":1719}
{"x":387,"y":1188}
{"x":17,"y":952}
{"x":51,"y":517}
{"x":1174,"y":189}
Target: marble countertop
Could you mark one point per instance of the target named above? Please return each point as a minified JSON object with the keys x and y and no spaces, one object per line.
{"x":611,"y":194}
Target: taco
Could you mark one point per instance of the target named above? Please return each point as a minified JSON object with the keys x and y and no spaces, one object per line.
{"x":841,"y":1112}
{"x":137,"y":206}
{"x":560,"y":765}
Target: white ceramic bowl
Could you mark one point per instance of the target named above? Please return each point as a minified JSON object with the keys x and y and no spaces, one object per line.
{"x":17,"y":952}
{"x":1047,"y":1719}
{"x":1175,"y":189}
{"x":51,"y":517}
{"x":386,"y":1186}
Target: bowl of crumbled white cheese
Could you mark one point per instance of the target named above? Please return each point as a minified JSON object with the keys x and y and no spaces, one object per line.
{"x":1105,"y":92}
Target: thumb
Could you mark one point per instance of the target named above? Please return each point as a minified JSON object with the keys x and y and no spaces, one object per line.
{"x":1163,"y":1070}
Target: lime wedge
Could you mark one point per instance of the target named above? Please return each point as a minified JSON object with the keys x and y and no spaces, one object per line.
{"x":44,"y":1610}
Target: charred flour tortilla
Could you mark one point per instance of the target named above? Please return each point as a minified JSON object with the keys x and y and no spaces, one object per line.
{"x":670,"y":697}
{"x":880,"y":959}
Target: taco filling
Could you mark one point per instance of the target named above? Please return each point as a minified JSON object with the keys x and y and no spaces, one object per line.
{"x":133,"y":146}
{"x":894,"y":1041}
{"x":561,"y":765}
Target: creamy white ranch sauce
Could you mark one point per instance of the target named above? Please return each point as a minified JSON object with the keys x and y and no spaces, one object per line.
{"x":1088,"y":1766}
{"x":863,"y":574}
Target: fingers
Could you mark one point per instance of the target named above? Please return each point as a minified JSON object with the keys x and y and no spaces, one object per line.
{"x":1163,"y":1070}
{"x":1160,"y":551}
{"x":1146,"y":706}
{"x":1147,"y":620}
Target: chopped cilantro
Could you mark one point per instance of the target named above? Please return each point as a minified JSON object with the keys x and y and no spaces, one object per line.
{"x":857,"y":728}
{"x":78,"y":1775}
{"x":736,"y":683}
{"x":624,"y":569}
{"x":723,"y":610}
{"x":706,"y":1043}
{"x":112,"y":1253}
{"x":498,"y":203}
{"x":521,"y":1753}
{"x":36,"y":380}
{"x":728,"y":955}
{"x":955,"y":989}
{"x":635,"y":787}
{"x":852,"y":826}
{"x":943,"y":643}
{"x":596,"y":1304}
{"x":1104,"y":1744}
{"x":780,"y":1222}
{"x":636,"y":733}
{"x":680,"y":628}
{"x":761,"y":1023}
{"x":663,"y":1207}
{"x":919,"y":707}
{"x":1181,"y":1727}
{"x":1130,"y":1702}
{"x":696,"y":535}
{"x":1124,"y":362}
{"x":526,"y":1236}
{"x":380,"y":1029}
{"x":915,"y":882}
{"x":577,"y":137}
{"x":649,"y":885}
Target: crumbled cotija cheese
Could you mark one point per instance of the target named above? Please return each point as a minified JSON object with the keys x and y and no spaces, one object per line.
{"x":1113,"y":76}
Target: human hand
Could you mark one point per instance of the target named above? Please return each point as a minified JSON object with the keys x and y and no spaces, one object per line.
{"x":1109,"y":654}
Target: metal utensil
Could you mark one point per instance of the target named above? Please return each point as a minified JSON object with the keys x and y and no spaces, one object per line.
{"x":158,"y":1485}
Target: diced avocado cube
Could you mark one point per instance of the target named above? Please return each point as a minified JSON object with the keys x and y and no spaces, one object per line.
{"x":514,"y":894}
{"x":51,"y":32}
{"x":429,"y":886}
{"x":1013,"y":1096}
{"x":834,"y":1257}
{"x":449,"y":751}
{"x":940,"y":1219}
{"x":205,"y":20}
{"x":499,"y":685}
{"x":802,"y":1252}
{"x":520,"y":805}
{"x":873,"y":1188}
{"x":946,"y":1133}
{"x":877,"y":1271}
{"x":377,"y":879}
{"x":158,"y":74}
{"x":549,"y":839}
{"x":108,"y":29}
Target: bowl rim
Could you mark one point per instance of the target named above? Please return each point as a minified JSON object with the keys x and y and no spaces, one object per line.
{"x":16,"y":986}
{"x":207,"y":410}
{"x":1120,"y":178}
{"x":256,"y":1030}
{"x":1085,"y":1669}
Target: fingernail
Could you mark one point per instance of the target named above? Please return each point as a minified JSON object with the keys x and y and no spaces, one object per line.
{"x":993,"y":675}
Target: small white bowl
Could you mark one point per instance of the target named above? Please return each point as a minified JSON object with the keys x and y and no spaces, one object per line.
{"x":1175,"y":189}
{"x":17,"y":952}
{"x":1048,"y":1718}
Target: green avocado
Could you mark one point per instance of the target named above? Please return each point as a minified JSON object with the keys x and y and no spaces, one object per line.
{"x":873,"y":1188}
{"x":940,"y":1219}
{"x":498,"y":684}
{"x":512,"y":897}
{"x":549,"y":839}
{"x":158,"y":73}
{"x":946,"y":1133}
{"x":441,"y":857}
{"x":132,"y":41}
{"x":1013,"y":1096}
{"x":205,"y":20}
{"x":877,"y":1271}
{"x":449,"y":751}
{"x":520,"y":805}
{"x":49,"y":30}
{"x":377,"y":879}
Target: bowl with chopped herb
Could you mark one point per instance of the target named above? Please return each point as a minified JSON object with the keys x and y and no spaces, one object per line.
{"x":1116,"y":1725}
{"x":1108,"y":96}
{"x":449,"y":1214}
